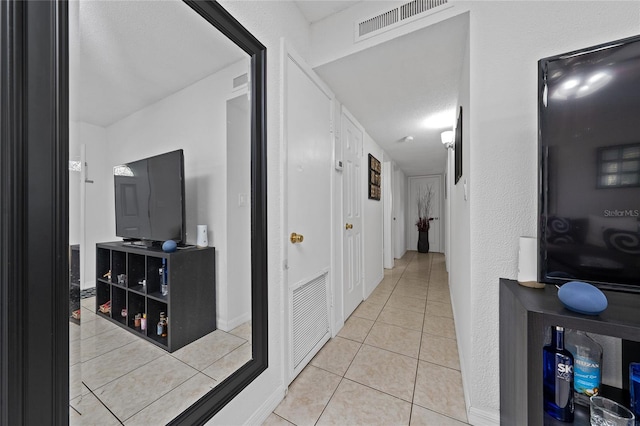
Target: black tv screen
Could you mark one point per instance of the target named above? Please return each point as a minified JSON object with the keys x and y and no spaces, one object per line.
{"x":149,"y":198}
{"x":589,"y":140}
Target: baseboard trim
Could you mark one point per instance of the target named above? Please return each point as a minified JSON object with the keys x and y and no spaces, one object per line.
{"x":263,"y":412}
{"x":373,"y":285}
{"x":230,"y":325}
{"x":484,"y":417}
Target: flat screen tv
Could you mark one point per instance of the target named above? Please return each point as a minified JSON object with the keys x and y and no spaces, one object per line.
{"x":149,"y":199}
{"x":589,"y":157}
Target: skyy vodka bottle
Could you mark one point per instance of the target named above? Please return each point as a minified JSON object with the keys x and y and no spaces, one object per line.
{"x":558,"y":378}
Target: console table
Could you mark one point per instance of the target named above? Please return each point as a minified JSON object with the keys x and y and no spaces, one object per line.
{"x":525,"y":314}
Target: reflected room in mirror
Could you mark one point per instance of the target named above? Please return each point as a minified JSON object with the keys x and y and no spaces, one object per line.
{"x":153,"y":331}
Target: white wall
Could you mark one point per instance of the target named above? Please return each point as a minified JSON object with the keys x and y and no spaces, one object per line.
{"x":507,"y":39}
{"x":372,"y":225}
{"x":458,"y":240}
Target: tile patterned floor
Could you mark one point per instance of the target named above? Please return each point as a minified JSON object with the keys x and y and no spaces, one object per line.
{"x":117,"y":378}
{"x":395,"y":362}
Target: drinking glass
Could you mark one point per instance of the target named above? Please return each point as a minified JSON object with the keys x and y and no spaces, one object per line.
{"x":605,"y":412}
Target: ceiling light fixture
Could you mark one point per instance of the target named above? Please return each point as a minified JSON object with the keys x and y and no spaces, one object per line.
{"x":447,"y":139}
{"x":407,"y":139}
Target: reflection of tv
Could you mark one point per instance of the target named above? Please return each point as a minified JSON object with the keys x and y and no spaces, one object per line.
{"x":589,"y":140}
{"x":149,"y":199}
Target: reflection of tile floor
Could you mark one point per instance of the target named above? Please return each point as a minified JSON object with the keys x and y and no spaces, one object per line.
{"x":395,"y":362}
{"x":117,"y":378}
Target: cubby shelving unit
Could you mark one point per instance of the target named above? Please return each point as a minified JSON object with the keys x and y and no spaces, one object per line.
{"x":190,"y":304}
{"x":525,"y":314}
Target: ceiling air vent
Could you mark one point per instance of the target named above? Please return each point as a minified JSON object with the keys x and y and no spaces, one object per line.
{"x":240,"y":80}
{"x":398,"y":16}
{"x":378,"y":22}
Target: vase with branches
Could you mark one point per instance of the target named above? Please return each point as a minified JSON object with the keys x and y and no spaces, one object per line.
{"x":424,"y":201}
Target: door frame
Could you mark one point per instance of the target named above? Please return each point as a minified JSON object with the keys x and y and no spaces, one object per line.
{"x":34,"y":232}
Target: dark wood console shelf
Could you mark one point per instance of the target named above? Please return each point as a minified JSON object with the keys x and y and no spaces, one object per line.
{"x":190,"y":304}
{"x":525,"y":313}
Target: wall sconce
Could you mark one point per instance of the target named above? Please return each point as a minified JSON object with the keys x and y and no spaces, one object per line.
{"x":447,"y":139}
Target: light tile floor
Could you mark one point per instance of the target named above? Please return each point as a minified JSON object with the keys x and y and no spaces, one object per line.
{"x":395,"y":362}
{"x":118,"y":378}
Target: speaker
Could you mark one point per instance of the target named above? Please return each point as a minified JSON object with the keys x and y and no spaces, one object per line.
{"x":202,"y":238}
{"x":528,"y":262}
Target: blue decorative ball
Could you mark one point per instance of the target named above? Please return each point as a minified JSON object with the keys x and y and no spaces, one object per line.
{"x":169,"y":246}
{"x":582,"y":298}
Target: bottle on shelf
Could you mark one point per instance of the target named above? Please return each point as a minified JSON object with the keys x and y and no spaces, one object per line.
{"x":137,"y":320}
{"x":558,"y":378}
{"x":143,"y":322}
{"x":162,"y":325}
{"x":587,"y":365}
{"x":164,"y":283}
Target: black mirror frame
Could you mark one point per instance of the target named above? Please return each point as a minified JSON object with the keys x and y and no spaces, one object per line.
{"x":34,"y":237}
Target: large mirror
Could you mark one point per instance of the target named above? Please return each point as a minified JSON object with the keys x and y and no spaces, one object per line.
{"x":166,"y":144}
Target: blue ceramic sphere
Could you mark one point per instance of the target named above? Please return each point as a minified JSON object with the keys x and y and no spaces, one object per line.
{"x":583,"y":298}
{"x":169,"y":246}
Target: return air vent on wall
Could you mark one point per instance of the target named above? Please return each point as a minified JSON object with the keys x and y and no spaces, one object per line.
{"x":310,"y":318}
{"x":398,"y":16}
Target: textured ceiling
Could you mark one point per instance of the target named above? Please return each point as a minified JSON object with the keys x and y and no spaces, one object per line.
{"x":126,"y":55}
{"x":393,"y":87}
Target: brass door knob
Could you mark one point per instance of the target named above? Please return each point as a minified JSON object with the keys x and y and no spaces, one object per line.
{"x":348,"y":226}
{"x":296,"y":238}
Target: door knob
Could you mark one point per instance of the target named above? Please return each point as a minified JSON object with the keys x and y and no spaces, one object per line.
{"x":348,"y":226}
{"x":296,"y":238}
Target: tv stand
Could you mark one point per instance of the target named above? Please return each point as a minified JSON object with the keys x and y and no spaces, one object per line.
{"x":128,"y":283}
{"x":525,"y":313}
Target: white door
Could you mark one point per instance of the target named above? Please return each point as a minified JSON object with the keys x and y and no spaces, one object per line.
{"x":308,"y":112}
{"x":417,"y":184}
{"x":352,"y":284}
{"x":387,"y":199}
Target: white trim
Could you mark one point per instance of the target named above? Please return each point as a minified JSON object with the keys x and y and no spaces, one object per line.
{"x":483,"y":417}
{"x":233,"y":323}
{"x":268,"y":406}
{"x":375,"y":283}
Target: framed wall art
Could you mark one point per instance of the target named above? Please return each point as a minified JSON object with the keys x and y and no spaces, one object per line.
{"x":375,"y":180}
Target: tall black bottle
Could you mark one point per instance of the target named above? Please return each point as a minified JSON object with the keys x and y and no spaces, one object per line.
{"x":558,"y":378}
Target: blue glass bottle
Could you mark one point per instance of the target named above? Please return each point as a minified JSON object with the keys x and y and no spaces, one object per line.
{"x":558,"y":378}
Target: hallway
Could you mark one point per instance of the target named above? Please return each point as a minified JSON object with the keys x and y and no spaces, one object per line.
{"x":395,"y":362}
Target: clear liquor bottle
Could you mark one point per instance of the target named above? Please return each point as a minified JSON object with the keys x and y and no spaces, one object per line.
{"x":558,"y":378}
{"x":587,"y":365}
{"x":164,"y":282}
